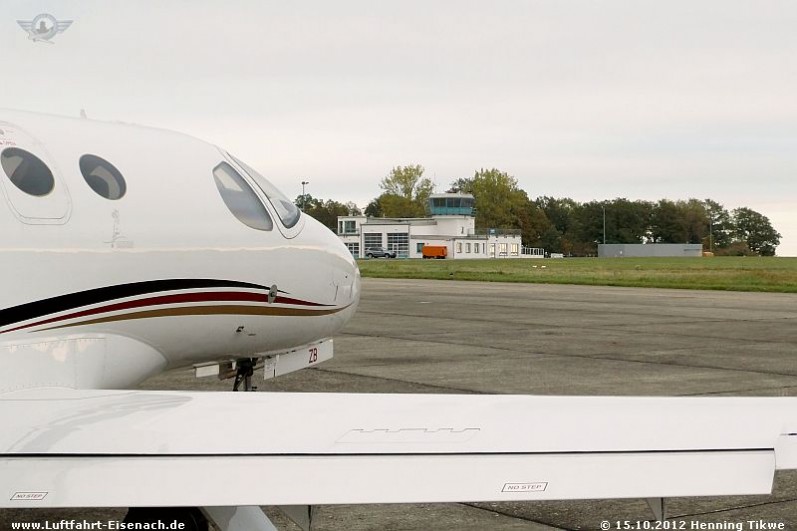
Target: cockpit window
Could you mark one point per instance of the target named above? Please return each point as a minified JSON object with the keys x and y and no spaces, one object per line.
{"x":27,"y":172}
{"x":286,"y":210}
{"x":102,"y":177}
{"x":240,"y":198}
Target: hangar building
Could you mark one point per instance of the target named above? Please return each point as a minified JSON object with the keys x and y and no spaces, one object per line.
{"x":649,"y":249}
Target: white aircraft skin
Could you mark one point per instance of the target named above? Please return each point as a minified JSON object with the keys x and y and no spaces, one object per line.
{"x":170,"y":246}
{"x":98,"y":294}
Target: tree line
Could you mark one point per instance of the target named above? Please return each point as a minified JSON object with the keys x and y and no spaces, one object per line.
{"x":563,"y":225}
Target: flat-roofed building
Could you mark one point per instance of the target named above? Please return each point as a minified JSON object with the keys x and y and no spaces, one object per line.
{"x":638,"y":250}
{"x":452,"y":224}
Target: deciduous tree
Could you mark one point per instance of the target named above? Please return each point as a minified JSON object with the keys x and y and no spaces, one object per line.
{"x":667,"y":224}
{"x":326,"y":212}
{"x":720,"y":233}
{"x":756,"y":231}
{"x":406,"y":192}
{"x":500,"y":203}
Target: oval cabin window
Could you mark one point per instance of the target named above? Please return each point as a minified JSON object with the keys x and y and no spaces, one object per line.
{"x":27,"y":172}
{"x":102,"y":177}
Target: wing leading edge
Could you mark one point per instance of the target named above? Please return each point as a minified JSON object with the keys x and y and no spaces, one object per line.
{"x":60,"y":447}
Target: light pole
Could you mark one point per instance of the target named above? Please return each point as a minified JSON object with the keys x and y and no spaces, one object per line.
{"x":710,"y":232}
{"x":604,"y":224}
{"x":304,"y":197}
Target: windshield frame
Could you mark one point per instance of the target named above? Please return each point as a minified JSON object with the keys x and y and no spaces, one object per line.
{"x":294,"y":224}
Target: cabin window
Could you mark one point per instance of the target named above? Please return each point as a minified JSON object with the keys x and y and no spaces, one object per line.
{"x":240,"y":198}
{"x":27,"y":172}
{"x":288,"y":212}
{"x":102,"y":177}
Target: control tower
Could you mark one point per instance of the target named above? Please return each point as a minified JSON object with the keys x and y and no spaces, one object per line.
{"x":452,"y":204}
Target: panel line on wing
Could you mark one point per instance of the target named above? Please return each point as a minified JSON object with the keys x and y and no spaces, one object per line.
{"x":376,"y":454}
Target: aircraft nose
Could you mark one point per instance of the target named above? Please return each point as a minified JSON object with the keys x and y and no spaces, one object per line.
{"x":345,"y":273}
{"x":355,"y":284}
{"x":347,"y":276}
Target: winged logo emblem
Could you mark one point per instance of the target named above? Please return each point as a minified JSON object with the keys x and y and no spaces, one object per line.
{"x":44,"y":27}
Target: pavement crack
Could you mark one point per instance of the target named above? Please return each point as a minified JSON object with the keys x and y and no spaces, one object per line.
{"x":578,"y":356}
{"x":516,"y":517}
{"x":753,"y":340}
{"x":735,"y":508}
{"x":751,"y":390}
{"x":420,"y":384}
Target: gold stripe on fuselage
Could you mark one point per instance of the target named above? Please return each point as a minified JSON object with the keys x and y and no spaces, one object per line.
{"x":205,"y":310}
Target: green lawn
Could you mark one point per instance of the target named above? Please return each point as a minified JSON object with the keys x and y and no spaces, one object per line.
{"x":721,"y":273}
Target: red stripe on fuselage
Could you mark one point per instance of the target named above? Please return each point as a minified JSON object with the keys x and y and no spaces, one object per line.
{"x":212,"y":296}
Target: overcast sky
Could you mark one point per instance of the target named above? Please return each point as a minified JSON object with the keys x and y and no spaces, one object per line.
{"x":582,"y":99}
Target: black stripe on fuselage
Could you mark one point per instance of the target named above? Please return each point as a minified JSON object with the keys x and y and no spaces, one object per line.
{"x":32,"y":310}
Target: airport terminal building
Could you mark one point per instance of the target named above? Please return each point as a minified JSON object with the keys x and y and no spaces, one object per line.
{"x":452,"y":224}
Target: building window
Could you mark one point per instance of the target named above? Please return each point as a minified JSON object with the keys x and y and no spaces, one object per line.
{"x":467,"y":247}
{"x":399,"y":242}
{"x":492,"y":250}
{"x":354,"y":249}
{"x":372,"y":239}
{"x":348,"y":226}
{"x":502,"y":249}
{"x":419,"y":247}
{"x":459,"y":247}
{"x":476,"y":248}
{"x":515,"y":248}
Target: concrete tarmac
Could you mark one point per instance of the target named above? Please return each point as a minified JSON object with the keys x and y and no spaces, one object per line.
{"x":468,"y":337}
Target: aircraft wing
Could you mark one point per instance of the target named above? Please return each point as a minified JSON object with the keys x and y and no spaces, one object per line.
{"x":76,"y":448}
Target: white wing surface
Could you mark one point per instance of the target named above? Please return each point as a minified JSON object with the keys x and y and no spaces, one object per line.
{"x":68,"y":448}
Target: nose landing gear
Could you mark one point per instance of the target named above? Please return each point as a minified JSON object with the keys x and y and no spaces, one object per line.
{"x":245,"y":369}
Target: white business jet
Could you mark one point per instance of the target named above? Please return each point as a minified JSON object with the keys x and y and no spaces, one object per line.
{"x":126,"y":251}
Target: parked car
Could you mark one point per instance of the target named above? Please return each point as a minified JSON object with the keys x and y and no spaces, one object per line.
{"x":379,"y":252}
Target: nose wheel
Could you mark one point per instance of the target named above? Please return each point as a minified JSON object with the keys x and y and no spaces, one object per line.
{"x":243,"y":374}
